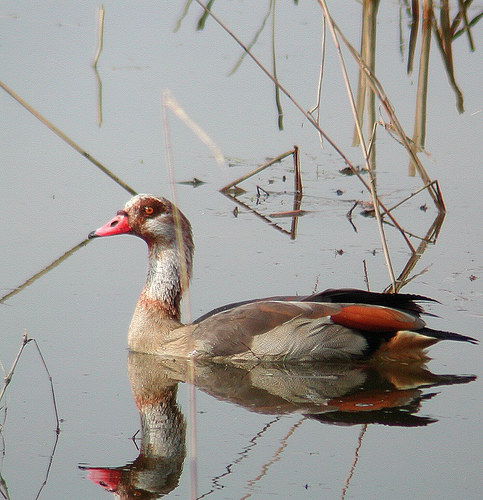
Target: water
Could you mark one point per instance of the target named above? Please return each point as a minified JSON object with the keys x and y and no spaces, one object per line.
{"x":52,"y":197}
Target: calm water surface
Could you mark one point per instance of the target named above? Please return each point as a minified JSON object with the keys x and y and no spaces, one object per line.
{"x":261,"y":433}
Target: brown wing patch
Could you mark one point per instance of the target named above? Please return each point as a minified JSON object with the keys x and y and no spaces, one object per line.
{"x":376,"y":319}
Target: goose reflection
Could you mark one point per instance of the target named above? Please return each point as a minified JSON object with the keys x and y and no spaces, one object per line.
{"x":389,"y":394}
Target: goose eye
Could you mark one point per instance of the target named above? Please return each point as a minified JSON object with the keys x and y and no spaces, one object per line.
{"x":148,"y":210}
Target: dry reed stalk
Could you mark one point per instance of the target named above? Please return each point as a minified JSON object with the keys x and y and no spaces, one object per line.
{"x":307,"y":115}
{"x":413,"y":34}
{"x":100,"y":35}
{"x":100,"y":42}
{"x":168,"y":102}
{"x":422,"y":188}
{"x":419,"y":133}
{"x":375,"y":198}
{"x":66,"y":139}
{"x":368,"y":54}
{"x":396,"y":126}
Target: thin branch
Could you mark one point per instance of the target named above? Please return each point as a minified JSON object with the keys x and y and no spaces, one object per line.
{"x":170,"y":102}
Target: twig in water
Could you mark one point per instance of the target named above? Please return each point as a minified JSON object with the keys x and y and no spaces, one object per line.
{"x":8,"y":377}
{"x":54,"y":401}
{"x":36,"y":276}
{"x":256,"y":171}
{"x":66,"y":139}
{"x":349,"y":215}
{"x":366,"y":276}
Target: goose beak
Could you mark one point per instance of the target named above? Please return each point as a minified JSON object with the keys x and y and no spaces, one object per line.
{"x":117,"y":225}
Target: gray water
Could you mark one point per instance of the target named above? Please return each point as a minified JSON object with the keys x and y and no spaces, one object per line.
{"x":52,"y":197}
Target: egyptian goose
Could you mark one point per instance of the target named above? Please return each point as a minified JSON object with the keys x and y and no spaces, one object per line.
{"x":334,"y":325}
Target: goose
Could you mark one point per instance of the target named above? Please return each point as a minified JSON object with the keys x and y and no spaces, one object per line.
{"x":336,"y":325}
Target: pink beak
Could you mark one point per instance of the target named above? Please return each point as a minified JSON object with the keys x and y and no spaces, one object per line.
{"x":117,"y":225}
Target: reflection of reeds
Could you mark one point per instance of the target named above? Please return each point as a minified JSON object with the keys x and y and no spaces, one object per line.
{"x":445,"y":33}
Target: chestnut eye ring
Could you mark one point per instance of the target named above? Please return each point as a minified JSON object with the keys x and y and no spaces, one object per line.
{"x":148,"y":210}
